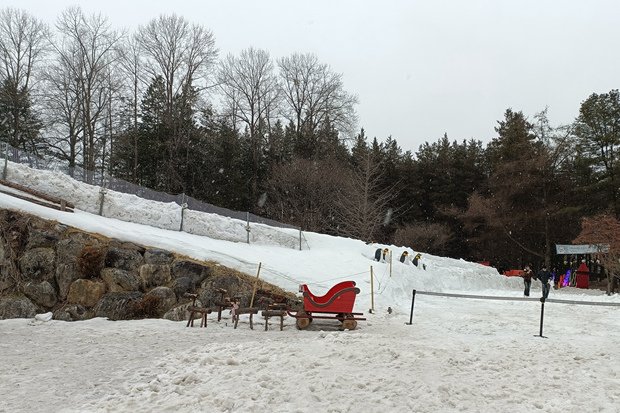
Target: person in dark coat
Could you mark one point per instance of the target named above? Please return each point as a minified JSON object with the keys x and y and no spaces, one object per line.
{"x":378,"y":254}
{"x":527,"y":280}
{"x":544,"y":276}
{"x":403,"y":256}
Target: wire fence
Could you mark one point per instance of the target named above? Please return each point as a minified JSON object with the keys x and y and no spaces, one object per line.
{"x":492,"y":297}
{"x":186,"y":206}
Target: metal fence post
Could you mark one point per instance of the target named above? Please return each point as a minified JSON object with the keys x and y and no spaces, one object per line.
{"x":102,"y":192}
{"x":542,"y":316}
{"x":183,"y":208}
{"x":6,"y":160}
{"x":411,"y":315}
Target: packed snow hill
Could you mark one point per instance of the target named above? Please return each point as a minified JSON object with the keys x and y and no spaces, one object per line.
{"x":458,"y":355}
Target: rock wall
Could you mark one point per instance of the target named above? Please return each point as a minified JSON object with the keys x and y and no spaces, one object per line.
{"x":46,"y":266}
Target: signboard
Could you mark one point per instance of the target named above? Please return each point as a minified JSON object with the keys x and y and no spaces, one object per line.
{"x":582,"y":249}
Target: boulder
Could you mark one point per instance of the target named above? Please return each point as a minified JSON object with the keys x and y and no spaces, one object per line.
{"x":180,"y":313}
{"x":124,"y":258}
{"x":71,"y":246}
{"x":38,"y":264}
{"x":90,"y":261}
{"x":158,"y":257}
{"x":153,"y":275}
{"x":183,"y":285}
{"x":8,"y":275}
{"x":117,"y":280}
{"x":16,"y":307}
{"x":85,"y":292}
{"x":66,"y":273}
{"x":67,"y":252}
{"x":235,"y":287}
{"x":72,"y":312}
{"x":42,"y":293}
{"x":118,"y":306}
{"x":165,"y":298}
{"x":3,"y":248}
{"x":197,"y":272}
{"x":6,"y":281}
{"x":44,"y":237}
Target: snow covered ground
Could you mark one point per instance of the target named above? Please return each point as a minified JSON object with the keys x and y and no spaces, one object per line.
{"x":459,"y":354}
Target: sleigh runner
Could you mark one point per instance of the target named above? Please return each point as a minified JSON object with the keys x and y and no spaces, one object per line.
{"x":336,"y":304}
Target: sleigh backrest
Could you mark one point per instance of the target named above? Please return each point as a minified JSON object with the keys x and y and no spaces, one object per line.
{"x":339,"y":298}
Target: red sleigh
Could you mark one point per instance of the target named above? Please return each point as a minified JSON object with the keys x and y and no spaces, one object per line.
{"x":336,"y":304}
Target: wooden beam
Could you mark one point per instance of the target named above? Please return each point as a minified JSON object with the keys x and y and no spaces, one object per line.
{"x":36,"y":201}
{"x":36,"y":193}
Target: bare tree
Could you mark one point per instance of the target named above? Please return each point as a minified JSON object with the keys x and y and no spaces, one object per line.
{"x":301,"y":193}
{"x":62,"y":104}
{"x":181,"y":52}
{"x":135,"y":78}
{"x":23,"y":43}
{"x":363,"y":203}
{"x":135,"y":74}
{"x":250,"y":90}
{"x":604,"y":229}
{"x":88,"y":48}
{"x":424,"y":236}
{"x":183,"y":56}
{"x":314,"y":95}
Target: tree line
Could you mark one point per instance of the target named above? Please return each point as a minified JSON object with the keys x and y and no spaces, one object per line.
{"x":160,"y":107}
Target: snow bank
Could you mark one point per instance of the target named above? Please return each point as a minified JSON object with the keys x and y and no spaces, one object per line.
{"x":131,"y":208}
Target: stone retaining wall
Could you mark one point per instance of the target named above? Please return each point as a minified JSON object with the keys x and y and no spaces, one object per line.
{"x":46,"y":266}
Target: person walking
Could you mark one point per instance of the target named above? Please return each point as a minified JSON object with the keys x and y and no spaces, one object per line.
{"x":527,"y":280}
{"x":544,"y":276}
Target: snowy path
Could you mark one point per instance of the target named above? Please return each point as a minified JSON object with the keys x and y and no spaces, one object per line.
{"x":460,"y":355}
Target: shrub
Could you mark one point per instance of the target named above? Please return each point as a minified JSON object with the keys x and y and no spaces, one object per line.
{"x":90,"y":261}
{"x":147,"y":307}
{"x":428,"y":237}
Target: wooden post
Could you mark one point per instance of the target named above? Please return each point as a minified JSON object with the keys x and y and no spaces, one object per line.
{"x":102,"y":192}
{"x":183,"y":208}
{"x":247,"y":228}
{"x":390,"y":263}
{"x":255,"y":285}
{"x":372,"y":290}
{"x":299,"y":238}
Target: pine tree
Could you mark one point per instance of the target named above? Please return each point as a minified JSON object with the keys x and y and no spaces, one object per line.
{"x":19,"y":126}
{"x":598,"y":131}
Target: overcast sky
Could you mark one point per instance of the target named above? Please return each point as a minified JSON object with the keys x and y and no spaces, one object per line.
{"x":419,"y":68}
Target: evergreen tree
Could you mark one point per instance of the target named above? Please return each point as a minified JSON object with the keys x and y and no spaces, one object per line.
{"x":153,"y":132}
{"x":598,"y":132}
{"x":225,"y":177}
{"x":442,"y":178}
{"x":510,"y":217}
{"x":19,"y":126}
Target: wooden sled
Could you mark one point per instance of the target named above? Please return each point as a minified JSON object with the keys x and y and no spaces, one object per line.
{"x":336,"y":304}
